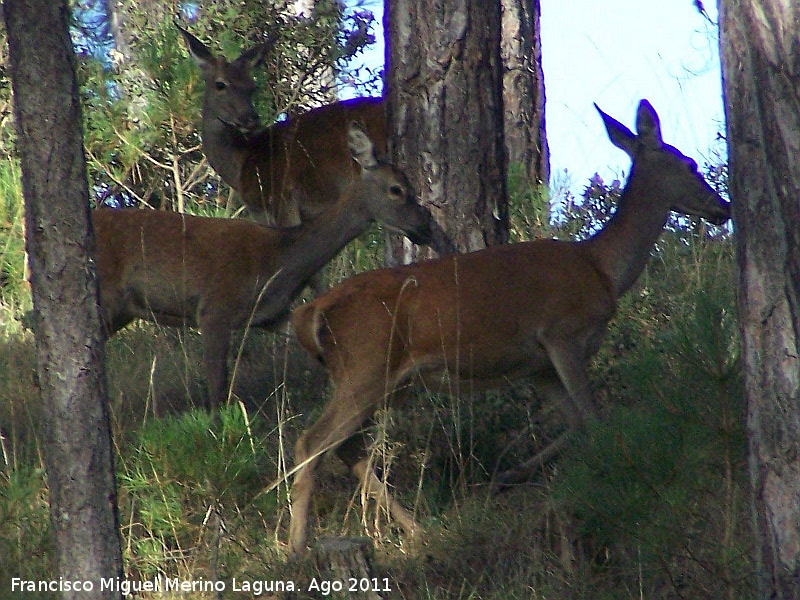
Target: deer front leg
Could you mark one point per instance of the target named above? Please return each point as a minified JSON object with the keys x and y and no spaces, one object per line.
{"x":577,"y":401}
{"x":571,"y":391}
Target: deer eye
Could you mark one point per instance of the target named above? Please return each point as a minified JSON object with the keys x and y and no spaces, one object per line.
{"x":220,"y":85}
{"x":395,"y":190}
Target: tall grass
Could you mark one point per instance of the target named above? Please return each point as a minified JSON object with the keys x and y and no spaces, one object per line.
{"x":648,"y":503}
{"x":14,"y":293}
{"x":187,"y":485}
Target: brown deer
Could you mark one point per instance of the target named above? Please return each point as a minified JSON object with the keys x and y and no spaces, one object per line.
{"x":290,"y":171}
{"x":211,"y":273}
{"x":537,"y":309}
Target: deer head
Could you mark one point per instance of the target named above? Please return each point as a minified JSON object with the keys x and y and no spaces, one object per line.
{"x":385,"y":190}
{"x":229,"y":86}
{"x":690,"y":195}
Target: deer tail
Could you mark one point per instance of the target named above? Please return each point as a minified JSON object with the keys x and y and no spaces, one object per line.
{"x":308,"y":321}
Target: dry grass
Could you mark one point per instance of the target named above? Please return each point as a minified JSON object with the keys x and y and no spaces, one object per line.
{"x":614,"y":518}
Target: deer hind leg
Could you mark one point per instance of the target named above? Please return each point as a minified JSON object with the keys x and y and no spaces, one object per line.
{"x":337,"y":429}
{"x":353,"y":453}
{"x":341,"y":418}
{"x":555,"y":393}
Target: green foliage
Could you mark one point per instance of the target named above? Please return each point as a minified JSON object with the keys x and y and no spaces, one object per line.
{"x":24,"y":526}
{"x":178,"y":471}
{"x":14,"y":294}
{"x":528,"y":206}
{"x":580,"y":218}
{"x":141,"y":125}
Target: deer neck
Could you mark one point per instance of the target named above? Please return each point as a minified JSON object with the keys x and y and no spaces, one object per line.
{"x":312,"y":245}
{"x":623,"y":247}
{"x":321,"y":239}
{"x":224,"y":147}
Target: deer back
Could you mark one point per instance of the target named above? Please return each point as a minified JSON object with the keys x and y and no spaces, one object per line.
{"x":167,"y":267}
{"x":433,"y":316}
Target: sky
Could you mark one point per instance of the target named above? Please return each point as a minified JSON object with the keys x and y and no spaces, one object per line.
{"x":615,"y":53}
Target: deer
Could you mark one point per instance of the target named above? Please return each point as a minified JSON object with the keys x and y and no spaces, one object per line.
{"x":292,"y":170}
{"x":213,"y":273}
{"x":537,"y":309}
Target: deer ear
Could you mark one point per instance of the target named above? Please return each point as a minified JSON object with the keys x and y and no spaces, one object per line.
{"x":361,"y":147}
{"x":622,"y":137}
{"x":648,"y":125}
{"x":254,"y":56}
{"x":197,"y":49}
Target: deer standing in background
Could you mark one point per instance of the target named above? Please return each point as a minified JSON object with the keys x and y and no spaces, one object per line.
{"x":181,"y":270}
{"x":290,"y":171}
{"x":538,"y":309}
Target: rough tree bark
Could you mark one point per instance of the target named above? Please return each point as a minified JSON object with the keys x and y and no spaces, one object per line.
{"x":69,"y":339}
{"x":523,"y":89}
{"x":444,"y":91}
{"x":760,"y":69}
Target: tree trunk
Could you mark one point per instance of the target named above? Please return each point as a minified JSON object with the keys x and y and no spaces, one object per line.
{"x":760,"y":68}
{"x":444,"y":91}
{"x":69,"y":338}
{"x":523,"y":89}
{"x":115,"y":13}
{"x":348,"y":560}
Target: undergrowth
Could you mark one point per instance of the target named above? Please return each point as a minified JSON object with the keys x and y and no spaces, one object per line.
{"x":186,"y":480}
{"x":649,"y":501}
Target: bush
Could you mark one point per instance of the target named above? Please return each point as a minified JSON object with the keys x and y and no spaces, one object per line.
{"x":660,"y":481}
{"x":183,"y":481}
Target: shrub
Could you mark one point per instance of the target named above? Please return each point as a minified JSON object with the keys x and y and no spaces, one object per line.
{"x":185,"y":479}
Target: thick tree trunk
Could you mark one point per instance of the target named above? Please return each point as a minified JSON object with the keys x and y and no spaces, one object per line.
{"x":69,"y":338}
{"x":761,"y":67}
{"x":444,"y":91}
{"x":523,"y":89}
